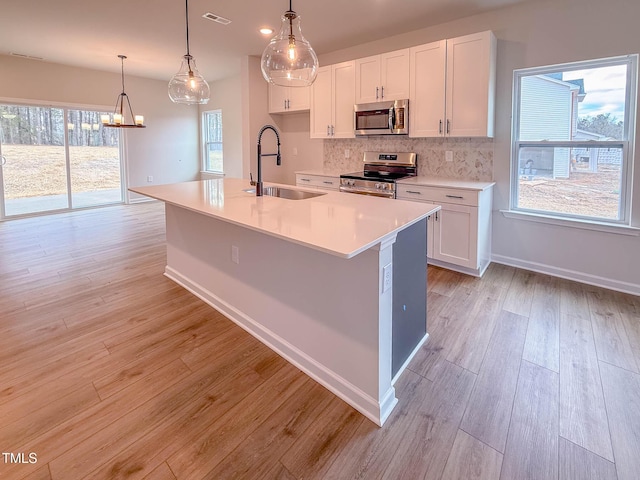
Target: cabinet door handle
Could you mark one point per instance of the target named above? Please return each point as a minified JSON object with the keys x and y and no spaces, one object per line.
{"x":448,"y":127}
{"x":328,"y":134}
{"x":414,"y":192}
{"x":440,"y":127}
{"x":288,"y":104}
{"x":332,"y":133}
{"x":305,"y":180}
{"x":437,"y":216}
{"x":327,"y":182}
{"x":454,"y":196}
{"x":383,"y":91}
{"x":377,"y":92}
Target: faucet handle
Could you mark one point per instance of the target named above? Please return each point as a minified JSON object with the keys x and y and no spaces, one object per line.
{"x":251,"y":182}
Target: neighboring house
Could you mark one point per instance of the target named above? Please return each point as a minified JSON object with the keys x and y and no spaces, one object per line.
{"x":549,"y":112}
{"x":595,"y":156}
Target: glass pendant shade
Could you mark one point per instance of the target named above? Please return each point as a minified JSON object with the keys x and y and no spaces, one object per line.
{"x":288,"y":59}
{"x":188,"y":86}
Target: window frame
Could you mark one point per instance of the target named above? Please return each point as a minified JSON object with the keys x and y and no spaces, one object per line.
{"x":627,"y":143}
{"x":206,"y":142}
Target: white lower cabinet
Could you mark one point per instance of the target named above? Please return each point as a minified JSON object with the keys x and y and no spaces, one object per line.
{"x":454,"y":235}
{"x":459,"y":235}
{"x":326,"y":182}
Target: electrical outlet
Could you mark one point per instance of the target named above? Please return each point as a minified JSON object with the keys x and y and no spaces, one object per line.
{"x":235,"y":254}
{"x":347,"y":153}
{"x":387,"y":277}
{"x":150,"y":179}
{"x":448,"y":156}
{"x":295,"y":150}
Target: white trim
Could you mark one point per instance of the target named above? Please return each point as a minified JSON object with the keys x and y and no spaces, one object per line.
{"x":375,"y":411}
{"x":49,"y":103}
{"x":475,"y":272}
{"x":628,"y":141}
{"x":581,"y":277}
{"x":573,"y":223}
{"x":210,"y":175}
{"x":132,"y":201}
{"x":409,"y":358}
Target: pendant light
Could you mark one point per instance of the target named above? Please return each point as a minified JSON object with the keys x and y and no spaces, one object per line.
{"x":119,"y":117}
{"x":188,"y":86}
{"x":289,"y":59}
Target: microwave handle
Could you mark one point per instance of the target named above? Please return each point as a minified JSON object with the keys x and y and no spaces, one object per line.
{"x":392,"y":118}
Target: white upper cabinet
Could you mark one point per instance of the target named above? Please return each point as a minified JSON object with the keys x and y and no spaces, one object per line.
{"x":383,"y":77}
{"x":452,"y":90}
{"x":332,"y":100}
{"x":321,"y":116}
{"x":288,"y":99}
{"x":427,"y":90}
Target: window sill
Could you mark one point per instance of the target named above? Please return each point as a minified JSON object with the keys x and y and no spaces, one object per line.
{"x":209,"y":175}
{"x":573,"y":223}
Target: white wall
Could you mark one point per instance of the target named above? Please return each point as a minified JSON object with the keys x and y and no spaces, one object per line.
{"x":167,"y":149}
{"x":226,"y":95}
{"x":244,"y":103}
{"x":294,"y":129}
{"x":537,"y":34}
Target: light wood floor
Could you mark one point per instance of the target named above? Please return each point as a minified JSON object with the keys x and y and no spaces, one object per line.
{"x":108,"y":370}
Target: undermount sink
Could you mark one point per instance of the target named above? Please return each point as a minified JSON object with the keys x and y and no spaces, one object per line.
{"x":285,"y":193}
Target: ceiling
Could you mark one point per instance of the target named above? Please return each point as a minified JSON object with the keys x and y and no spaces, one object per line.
{"x":91,"y":33}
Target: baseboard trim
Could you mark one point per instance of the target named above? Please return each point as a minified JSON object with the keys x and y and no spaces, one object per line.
{"x":375,"y":411}
{"x":409,"y":358}
{"x":569,"y":274}
{"x":141,"y":200}
{"x":457,"y":268}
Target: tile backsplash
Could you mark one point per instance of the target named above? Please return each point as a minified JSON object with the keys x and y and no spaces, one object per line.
{"x":472,"y":157}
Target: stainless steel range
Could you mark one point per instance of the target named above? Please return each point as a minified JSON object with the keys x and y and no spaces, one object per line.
{"x":381,"y":170}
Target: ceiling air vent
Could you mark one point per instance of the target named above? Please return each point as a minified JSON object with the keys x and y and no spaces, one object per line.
{"x":216,"y":18}
{"x":22,"y":55}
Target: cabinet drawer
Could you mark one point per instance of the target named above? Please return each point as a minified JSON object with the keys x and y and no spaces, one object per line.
{"x":318,"y":181}
{"x":438,"y":195}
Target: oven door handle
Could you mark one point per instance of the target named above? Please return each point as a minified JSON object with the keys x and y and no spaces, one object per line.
{"x":387,"y":194}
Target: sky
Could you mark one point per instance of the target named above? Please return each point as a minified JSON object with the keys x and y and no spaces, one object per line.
{"x":605,"y":89}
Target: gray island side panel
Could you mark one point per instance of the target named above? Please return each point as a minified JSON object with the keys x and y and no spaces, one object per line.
{"x":409,"y":292}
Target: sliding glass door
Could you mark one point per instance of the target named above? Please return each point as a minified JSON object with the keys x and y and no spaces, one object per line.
{"x":94,"y":160}
{"x":56,"y":159}
{"x":34,"y":171}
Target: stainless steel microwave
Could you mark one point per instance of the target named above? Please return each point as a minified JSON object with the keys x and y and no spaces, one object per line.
{"x":382,"y":118}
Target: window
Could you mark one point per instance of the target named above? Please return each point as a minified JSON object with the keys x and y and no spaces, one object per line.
{"x":212,"y":124}
{"x":573,"y":130}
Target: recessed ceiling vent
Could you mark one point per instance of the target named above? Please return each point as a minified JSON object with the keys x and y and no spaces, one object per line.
{"x":216,"y":18}
{"x":22,"y":55}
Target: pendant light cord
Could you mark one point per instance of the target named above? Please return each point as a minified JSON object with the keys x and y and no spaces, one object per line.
{"x":186,"y":10}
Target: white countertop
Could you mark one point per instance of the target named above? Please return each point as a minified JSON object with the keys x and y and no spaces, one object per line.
{"x":446,"y":183}
{"x":341,"y":224}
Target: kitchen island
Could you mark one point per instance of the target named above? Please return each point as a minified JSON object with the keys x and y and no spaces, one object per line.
{"x":336,"y":284}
